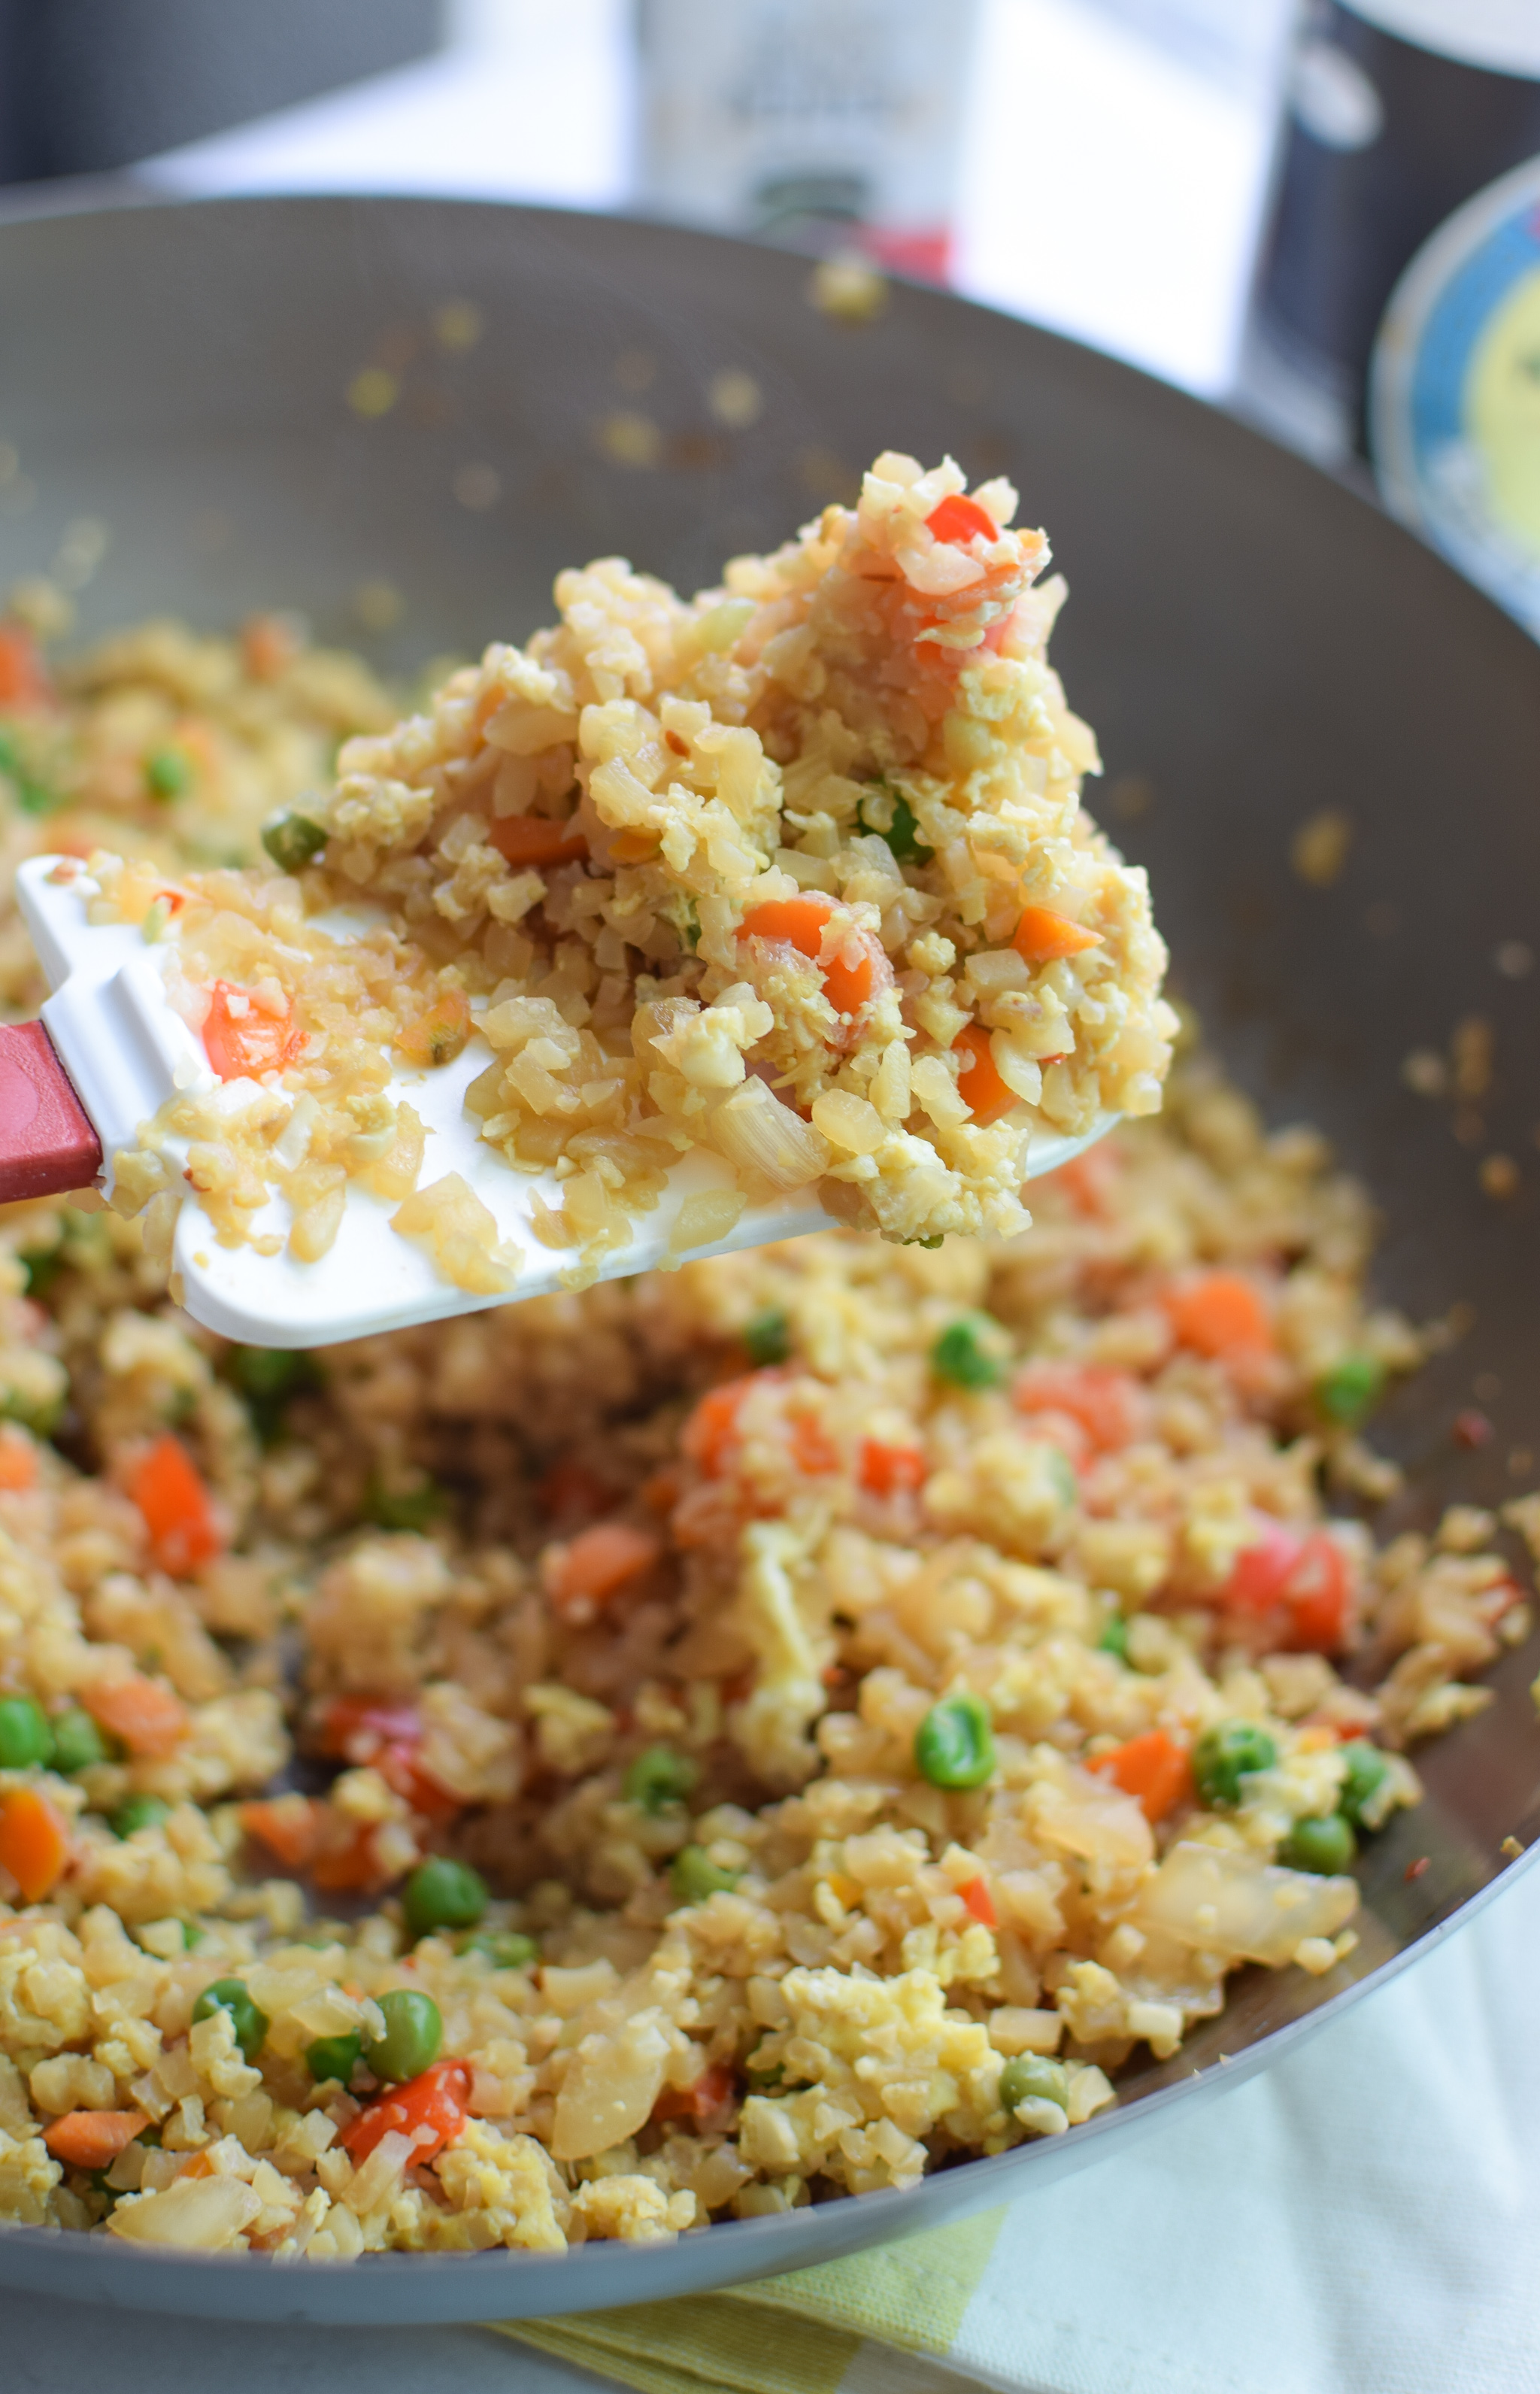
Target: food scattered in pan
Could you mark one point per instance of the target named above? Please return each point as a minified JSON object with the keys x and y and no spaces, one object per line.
{"x":685,"y":1748}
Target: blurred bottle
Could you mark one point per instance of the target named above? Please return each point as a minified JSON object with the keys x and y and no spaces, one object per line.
{"x":823,"y":125}
{"x":1399,"y":111}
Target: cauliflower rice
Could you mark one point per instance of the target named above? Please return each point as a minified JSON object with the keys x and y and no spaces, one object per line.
{"x":821,"y":1652}
{"x":794,"y":872}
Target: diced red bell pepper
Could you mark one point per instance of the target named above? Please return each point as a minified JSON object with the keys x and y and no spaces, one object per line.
{"x":1297,"y":1590}
{"x":1110,"y":1406}
{"x":711,"y":2091}
{"x":961,"y":520}
{"x":431,"y":2110}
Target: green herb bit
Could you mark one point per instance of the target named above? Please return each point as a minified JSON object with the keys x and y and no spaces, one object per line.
{"x":954,"y":1744}
{"x":769,"y":1336}
{"x":901,"y":831}
{"x":1350,"y":1389}
{"x":694,"y":1876}
{"x":168,"y":774}
{"x":1114,"y":1638}
{"x":658,"y":1778}
{"x":270,"y":1379}
{"x":292,"y":841}
{"x":404,"y":1509}
{"x":961,"y":1356}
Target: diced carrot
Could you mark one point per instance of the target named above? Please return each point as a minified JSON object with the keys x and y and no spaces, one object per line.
{"x":980,"y":1901}
{"x":347,"y":1868}
{"x":1294,"y":1592}
{"x":142,"y":1715}
{"x":813,"y":1451}
{"x":1220,"y":1315}
{"x":1152,"y":1767}
{"x":24,"y":683}
{"x":18,"y":1463}
{"x":197,"y":2165}
{"x":1041,"y":935}
{"x":184,"y":1531}
{"x":799,"y":922}
{"x":978,"y":1083}
{"x":92,"y":2140}
{"x":244,"y":1043}
{"x":536,"y":840}
{"x":400,"y":1766}
{"x":437,"y":1036}
{"x":711,"y":2089}
{"x":268,"y":645}
{"x":885,"y":1470}
{"x":1110,"y":1406}
{"x":711,"y":1432}
{"x":354,"y":1728}
{"x":960,"y":519}
{"x":34,"y":1844}
{"x":600,"y":1561}
{"x":431,"y":2110}
{"x":288,"y":1826}
{"x":661,"y":1491}
{"x":1319,"y":1596}
{"x":1087,"y":1180}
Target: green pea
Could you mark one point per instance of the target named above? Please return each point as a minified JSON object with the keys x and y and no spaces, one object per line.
{"x":506,"y":1949}
{"x":1114,"y":1638}
{"x":193,"y":1936}
{"x":414,"y":2031}
{"x":335,"y":2057}
{"x":25,"y":1737}
{"x":230,"y":1996}
{"x":955,"y":1745}
{"x":78,"y":1744}
{"x":903,"y":834}
{"x":41,"y":1415}
{"x":1367,"y":1771}
{"x":769,"y":1336}
{"x":443,"y":1894}
{"x":659,"y":1777}
{"x":1032,"y":2078}
{"x":42,"y":1266}
{"x":35,"y":797}
{"x":404,"y":1509}
{"x":959,"y":1354}
{"x":168,"y":774}
{"x":1227,"y":1754}
{"x":694,"y":1876}
{"x":292,"y":840}
{"x":1350,"y":1389}
{"x":140,"y":1812}
{"x":1326,"y":1845}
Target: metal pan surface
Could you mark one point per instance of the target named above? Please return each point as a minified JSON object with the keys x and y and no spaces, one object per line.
{"x":1255,"y":645}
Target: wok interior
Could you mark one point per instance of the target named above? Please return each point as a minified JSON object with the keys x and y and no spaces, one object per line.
{"x":1254,"y":645}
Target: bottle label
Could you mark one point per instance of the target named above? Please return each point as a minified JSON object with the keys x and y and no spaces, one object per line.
{"x":1454,"y":401}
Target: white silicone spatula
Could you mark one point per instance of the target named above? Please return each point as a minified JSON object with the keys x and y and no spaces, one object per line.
{"x":110,"y":1051}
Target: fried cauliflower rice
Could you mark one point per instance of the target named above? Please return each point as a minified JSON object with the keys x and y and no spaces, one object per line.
{"x":794,"y":872}
{"x":686,"y":1748}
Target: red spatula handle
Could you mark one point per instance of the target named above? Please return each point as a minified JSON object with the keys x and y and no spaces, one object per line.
{"x":47,"y":1142}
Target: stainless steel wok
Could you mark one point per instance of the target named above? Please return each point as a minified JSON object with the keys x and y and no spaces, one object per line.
{"x":1253,"y":644}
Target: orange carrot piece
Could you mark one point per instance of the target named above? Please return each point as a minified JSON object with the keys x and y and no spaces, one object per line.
{"x":537,"y":839}
{"x":1110,"y":1406}
{"x":145,"y":1716}
{"x":1041,"y":935}
{"x":430,"y":2109}
{"x":244,"y":1043}
{"x":813,"y":1451}
{"x":1152,"y":1767}
{"x":437,"y":1036}
{"x":980,"y":1901}
{"x":288,"y":1826}
{"x":18,"y":1463}
{"x":708,"y":1435}
{"x":979,"y":1083}
{"x":885,"y":1470}
{"x":799,"y":922}
{"x":92,"y":2140}
{"x":170,"y":1491}
{"x":1220,"y":1313}
{"x":24,"y":684}
{"x":350,"y":1868}
{"x":600,"y":1561}
{"x":268,"y":645}
{"x":34,"y":1844}
{"x":960,"y":519}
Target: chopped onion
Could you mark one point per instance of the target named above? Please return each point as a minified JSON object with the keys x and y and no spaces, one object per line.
{"x":1230,"y":1903}
{"x":754,"y":1130}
